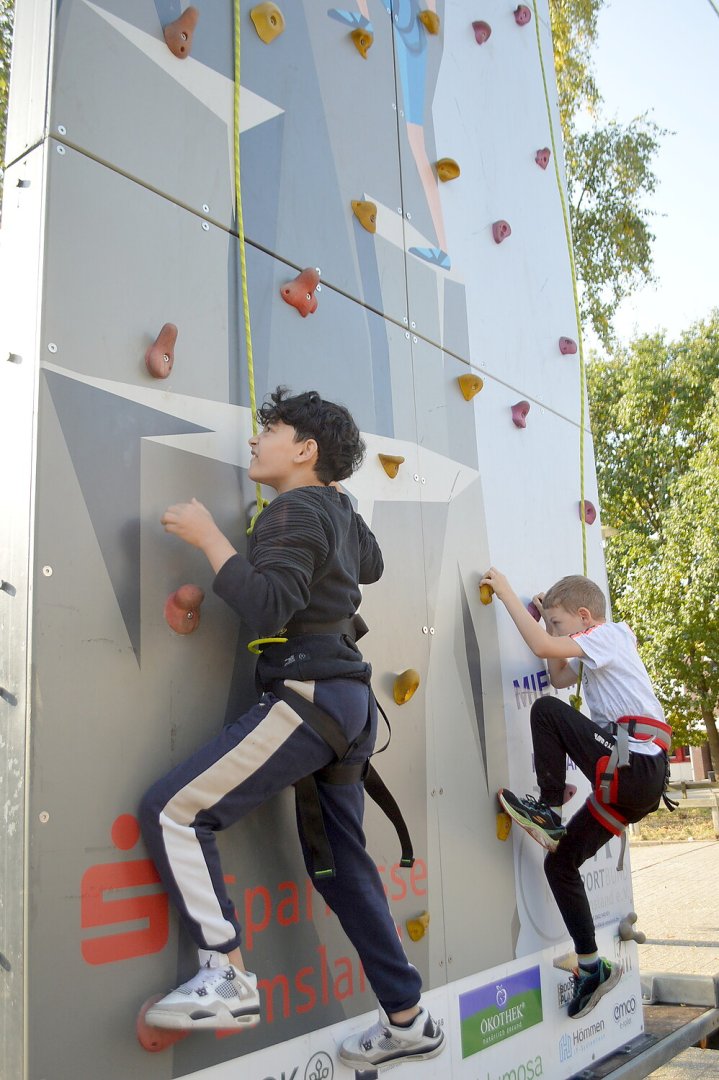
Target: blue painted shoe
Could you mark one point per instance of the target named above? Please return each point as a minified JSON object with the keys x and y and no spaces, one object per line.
{"x":350,"y":18}
{"x":432,"y":255}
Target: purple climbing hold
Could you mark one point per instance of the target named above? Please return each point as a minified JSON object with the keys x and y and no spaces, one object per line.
{"x":519,"y":413}
{"x":542,"y":157}
{"x":500,"y":231}
{"x":590,"y":512}
{"x":522,"y":15}
{"x":533,"y":611}
{"x":482,"y":31}
{"x":567,"y":346}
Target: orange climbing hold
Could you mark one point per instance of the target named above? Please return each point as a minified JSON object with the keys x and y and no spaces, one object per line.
{"x":160,"y":357}
{"x":430,"y":21}
{"x":486,"y":592}
{"x":470,"y":385}
{"x":363,"y":40}
{"x":268,"y":20}
{"x":178,"y":34}
{"x":405,"y":686}
{"x":501,"y":230}
{"x":447,"y":169}
{"x":300,"y":293}
{"x":482,"y":31}
{"x":519,"y":414}
{"x":391,"y":464}
{"x":152,"y":1038}
{"x":417,"y":928}
{"x":542,"y":157}
{"x":366,"y":214}
{"x":567,"y":346}
{"x":182,"y":609}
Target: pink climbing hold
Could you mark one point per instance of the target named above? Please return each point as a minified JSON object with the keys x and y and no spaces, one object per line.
{"x":500,"y":231}
{"x":182,"y":609}
{"x":300,"y":293}
{"x":160,"y":357}
{"x":590,"y":512}
{"x":567,"y":346}
{"x":522,"y":15}
{"x":533,"y":611}
{"x":178,"y":34}
{"x":542,"y":157}
{"x":482,"y":31}
{"x":519,"y":413}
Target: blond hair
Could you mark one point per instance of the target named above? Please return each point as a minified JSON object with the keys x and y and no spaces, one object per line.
{"x":574,"y":592}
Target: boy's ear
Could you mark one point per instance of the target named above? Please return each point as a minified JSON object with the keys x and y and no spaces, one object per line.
{"x":308,"y":451}
{"x":585,"y":614}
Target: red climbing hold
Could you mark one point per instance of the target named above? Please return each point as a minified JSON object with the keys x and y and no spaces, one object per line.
{"x":590,"y":512}
{"x":182,"y":609}
{"x":482,"y":31}
{"x":178,"y":34}
{"x":300,"y":292}
{"x":152,"y":1038}
{"x":567,"y":346}
{"x":522,"y":15}
{"x":519,"y":413}
{"x":161,"y":355}
{"x":500,"y":231}
{"x":542,"y":157}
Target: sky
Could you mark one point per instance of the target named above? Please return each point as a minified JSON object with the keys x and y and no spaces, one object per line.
{"x":662,"y":57}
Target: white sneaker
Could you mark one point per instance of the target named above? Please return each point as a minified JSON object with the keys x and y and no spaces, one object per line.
{"x":385,"y":1044}
{"x":217,"y":997}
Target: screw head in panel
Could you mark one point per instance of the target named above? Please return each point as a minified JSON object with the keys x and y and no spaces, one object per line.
{"x":52,"y":347}
{"x":205,"y":208}
{"x":425,"y":629}
{"x":61,"y":150}
{"x":415,"y":340}
{"x":431,"y":629}
{"x":205,"y":226}
{"x":61,"y":129}
{"x":47,"y":571}
{"x":409,"y":216}
{"x":43,"y":817}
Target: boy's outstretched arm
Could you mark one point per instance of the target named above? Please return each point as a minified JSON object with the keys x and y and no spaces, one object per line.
{"x":543,"y":645}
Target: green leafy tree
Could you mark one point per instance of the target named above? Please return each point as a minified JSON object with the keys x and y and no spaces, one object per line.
{"x":654,"y":415}
{"x":609,"y":170}
{"x":7,"y":11}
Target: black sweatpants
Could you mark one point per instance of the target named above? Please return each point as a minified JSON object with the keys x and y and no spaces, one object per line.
{"x":559,"y":731}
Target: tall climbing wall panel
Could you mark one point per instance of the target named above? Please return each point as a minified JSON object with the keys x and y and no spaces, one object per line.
{"x":119,"y":217}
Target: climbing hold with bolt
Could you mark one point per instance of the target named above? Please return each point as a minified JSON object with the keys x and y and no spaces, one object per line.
{"x":482,"y":31}
{"x":469,"y":385}
{"x":160,"y":357}
{"x":567,"y":346}
{"x":152,"y":1038}
{"x":300,"y":293}
{"x":501,"y":230}
{"x":447,"y":169}
{"x":269,"y":22}
{"x":430,"y":21}
{"x":366,"y":214}
{"x":534,"y":611}
{"x":417,"y":928}
{"x":405,"y":686}
{"x":522,"y":15}
{"x":542,"y":157}
{"x":504,"y":825}
{"x":627,"y":931}
{"x":363,"y":40}
{"x":391,"y":464}
{"x":519,"y":414}
{"x":182,"y":609}
{"x":178,"y":34}
{"x":590,"y":512}
{"x":486,"y":592}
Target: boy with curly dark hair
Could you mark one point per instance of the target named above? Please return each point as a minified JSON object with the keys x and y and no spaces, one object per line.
{"x":299,"y":583}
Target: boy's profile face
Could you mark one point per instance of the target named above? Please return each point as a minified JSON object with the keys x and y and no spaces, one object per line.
{"x":277,"y":456}
{"x":565,"y":622}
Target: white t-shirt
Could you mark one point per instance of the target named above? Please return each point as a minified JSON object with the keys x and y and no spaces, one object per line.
{"x":615,"y":681}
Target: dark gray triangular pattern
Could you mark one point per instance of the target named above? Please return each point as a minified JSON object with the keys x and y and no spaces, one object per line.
{"x":103,"y":434}
{"x":474,"y":665}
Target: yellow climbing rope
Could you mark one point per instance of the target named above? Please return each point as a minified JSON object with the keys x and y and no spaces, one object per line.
{"x":261,"y":503}
{"x":575,"y":699}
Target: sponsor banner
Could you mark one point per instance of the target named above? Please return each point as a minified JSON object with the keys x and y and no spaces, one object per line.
{"x":498,"y":1010}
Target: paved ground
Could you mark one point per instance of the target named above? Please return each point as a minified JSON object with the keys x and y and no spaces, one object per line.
{"x":676,"y":895}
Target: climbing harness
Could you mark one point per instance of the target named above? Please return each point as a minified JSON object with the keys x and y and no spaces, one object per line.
{"x":576,"y":698}
{"x":261,"y":503}
{"x":606,"y":783}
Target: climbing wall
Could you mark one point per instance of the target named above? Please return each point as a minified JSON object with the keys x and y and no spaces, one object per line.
{"x":120,"y":217}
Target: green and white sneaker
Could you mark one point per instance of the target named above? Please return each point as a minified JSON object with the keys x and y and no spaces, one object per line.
{"x":535,"y":817}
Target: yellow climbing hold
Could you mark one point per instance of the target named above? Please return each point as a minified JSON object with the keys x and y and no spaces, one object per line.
{"x":504,"y":825}
{"x":269,"y":21}
{"x":430,"y":21}
{"x":469,"y":385}
{"x":417,"y":928}
{"x":405,"y":686}
{"x":447,"y":169}
{"x":391,"y":464}
{"x":366,"y":214}
{"x":363,"y":41}
{"x":486,"y":592}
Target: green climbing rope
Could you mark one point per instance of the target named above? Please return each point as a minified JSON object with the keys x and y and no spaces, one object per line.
{"x":575,"y":699}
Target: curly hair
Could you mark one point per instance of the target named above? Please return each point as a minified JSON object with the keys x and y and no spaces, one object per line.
{"x":341,"y":449}
{"x":576,"y":591}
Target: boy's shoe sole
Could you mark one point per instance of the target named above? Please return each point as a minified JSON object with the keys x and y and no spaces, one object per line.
{"x":177,"y":1021}
{"x":537,"y":833}
{"x":602,"y":989}
{"x":365,"y":1065}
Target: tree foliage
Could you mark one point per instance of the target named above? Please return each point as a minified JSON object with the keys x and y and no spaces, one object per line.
{"x":7,"y":11}
{"x":609,"y":170}
{"x":655,"y":417}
